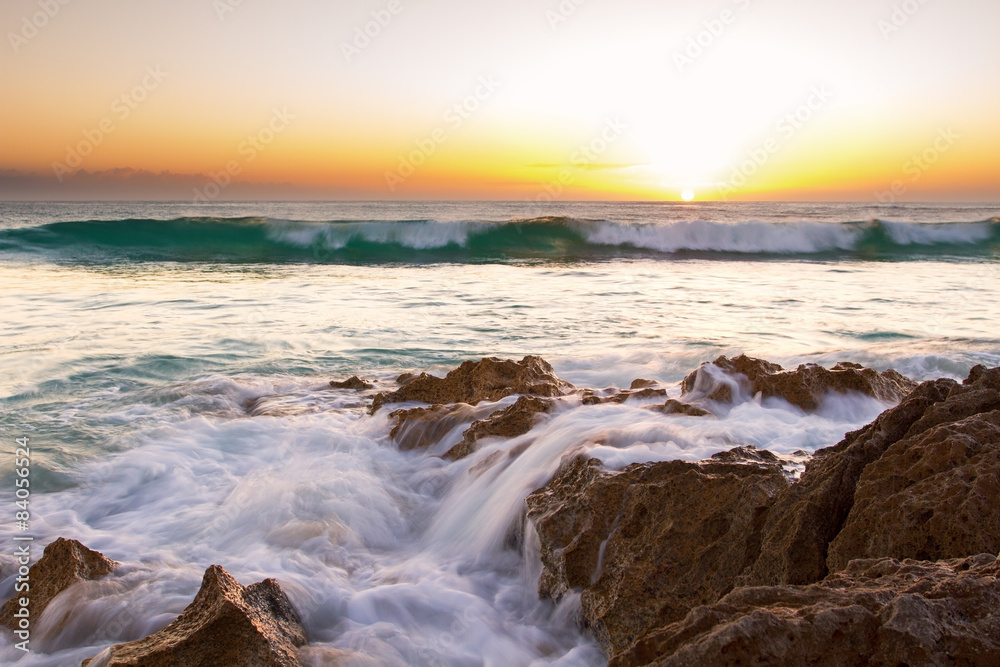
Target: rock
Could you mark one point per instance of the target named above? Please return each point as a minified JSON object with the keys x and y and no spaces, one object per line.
{"x":934,"y":494}
{"x":226,"y":624}
{"x":405,"y":378}
{"x":510,"y":422}
{"x":622,"y":396}
{"x":420,"y":428}
{"x":487,"y":380}
{"x":63,"y":563}
{"x":642,"y":384}
{"x":353,"y":382}
{"x":876,"y":612}
{"x":921,"y":480}
{"x":650,"y":542}
{"x":746,"y":454}
{"x":807,"y":516}
{"x":724,"y":379}
{"x":675,"y":407}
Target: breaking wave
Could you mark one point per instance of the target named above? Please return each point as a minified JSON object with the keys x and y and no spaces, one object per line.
{"x":265,"y":240}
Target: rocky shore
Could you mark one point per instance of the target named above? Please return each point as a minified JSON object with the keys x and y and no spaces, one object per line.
{"x":883,"y":551}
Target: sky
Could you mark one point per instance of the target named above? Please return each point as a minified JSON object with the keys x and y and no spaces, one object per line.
{"x":859,"y":100}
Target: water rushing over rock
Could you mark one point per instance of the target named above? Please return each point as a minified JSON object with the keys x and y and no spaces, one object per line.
{"x":870,"y":555}
{"x":726,"y":379}
{"x":920,"y":482}
{"x":63,"y":563}
{"x":226,"y":624}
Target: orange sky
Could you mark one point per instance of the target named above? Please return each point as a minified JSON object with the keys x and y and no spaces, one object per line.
{"x":738,"y":99}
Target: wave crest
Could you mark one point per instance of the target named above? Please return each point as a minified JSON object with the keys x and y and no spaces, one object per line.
{"x":552,"y":238}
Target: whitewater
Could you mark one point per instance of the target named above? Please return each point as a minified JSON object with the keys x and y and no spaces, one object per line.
{"x":171,"y":365}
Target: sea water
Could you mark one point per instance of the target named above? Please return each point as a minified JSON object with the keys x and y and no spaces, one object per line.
{"x":137,"y":336}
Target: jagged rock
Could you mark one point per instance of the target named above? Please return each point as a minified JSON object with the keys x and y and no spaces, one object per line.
{"x":622,"y":396}
{"x":807,"y":516}
{"x":63,"y":563}
{"x":934,"y":494}
{"x":746,"y":454}
{"x":489,"y":379}
{"x":353,"y":382}
{"x":927,"y":465}
{"x":675,"y":407}
{"x":512,"y":421}
{"x":420,"y":428}
{"x":803,"y":387}
{"x":876,"y":612}
{"x":226,"y":624}
{"x":650,"y":542}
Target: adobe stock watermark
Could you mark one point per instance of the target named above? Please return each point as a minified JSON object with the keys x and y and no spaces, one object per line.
{"x":30,"y":25}
{"x":363,"y":35}
{"x":224,"y":7}
{"x":563,"y":11}
{"x":121,"y":108}
{"x":900,"y":16}
{"x":248,"y":150}
{"x":786,"y":128}
{"x":454,"y":118}
{"x":585,"y":155}
{"x":702,"y":41}
{"x":919,"y":164}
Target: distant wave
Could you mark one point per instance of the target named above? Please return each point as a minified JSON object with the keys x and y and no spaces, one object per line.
{"x":263,"y":240}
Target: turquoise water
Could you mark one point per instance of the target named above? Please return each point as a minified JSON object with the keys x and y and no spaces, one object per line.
{"x":135,"y":335}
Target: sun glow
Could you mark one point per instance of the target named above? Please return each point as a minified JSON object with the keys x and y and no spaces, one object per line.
{"x":687,"y":195}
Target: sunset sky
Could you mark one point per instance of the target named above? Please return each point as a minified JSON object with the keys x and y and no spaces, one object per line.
{"x":451,"y":99}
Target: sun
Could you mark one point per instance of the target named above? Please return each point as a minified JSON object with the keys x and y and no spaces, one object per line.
{"x":687,"y":195}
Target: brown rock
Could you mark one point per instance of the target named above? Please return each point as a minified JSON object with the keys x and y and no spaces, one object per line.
{"x":405,"y":378}
{"x":803,"y":387}
{"x":353,"y":382}
{"x":931,"y":496}
{"x":622,"y":396}
{"x":226,"y":624}
{"x":63,"y":563}
{"x":876,"y":612}
{"x":807,"y":516}
{"x":650,"y":542}
{"x":487,"y":380}
{"x":948,"y":472}
{"x":420,"y":428}
{"x":642,"y":384}
{"x":746,"y":454}
{"x":510,"y":422}
{"x":675,"y":407}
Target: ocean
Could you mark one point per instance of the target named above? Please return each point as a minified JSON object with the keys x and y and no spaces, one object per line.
{"x":135,"y":336}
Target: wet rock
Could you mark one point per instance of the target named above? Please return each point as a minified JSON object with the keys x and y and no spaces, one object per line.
{"x":746,"y":454}
{"x":510,"y":422}
{"x":489,"y":379}
{"x":933,"y":495}
{"x":876,"y":612}
{"x":807,"y":516}
{"x":725,"y":378}
{"x":642,"y":384}
{"x":63,"y":563}
{"x":650,"y":542}
{"x":675,"y":407}
{"x":226,"y":624}
{"x":405,"y":378}
{"x":353,"y":382}
{"x":420,"y":428}
{"x":622,"y":396}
